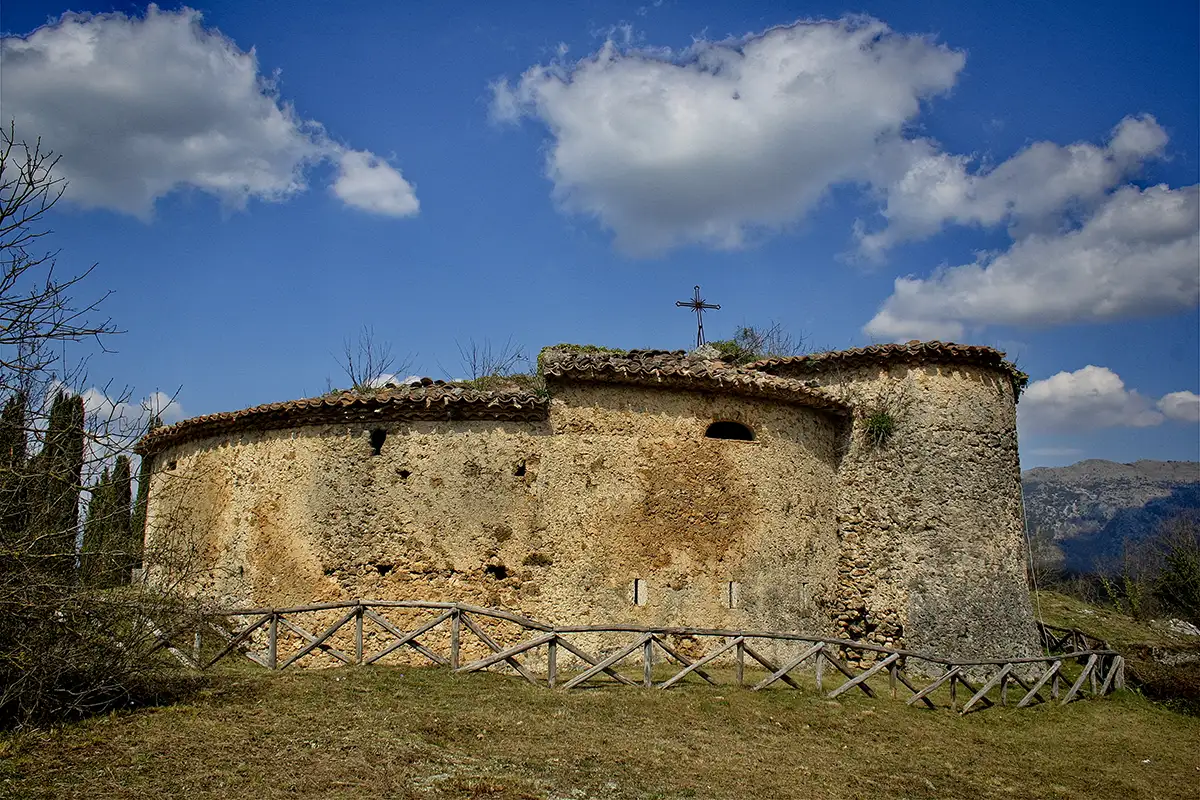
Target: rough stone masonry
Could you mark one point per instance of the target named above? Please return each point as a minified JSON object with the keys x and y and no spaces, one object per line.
{"x":871,"y":493}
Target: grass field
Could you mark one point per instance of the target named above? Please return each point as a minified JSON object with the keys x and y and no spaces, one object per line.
{"x":1120,"y":630}
{"x":424,"y":733}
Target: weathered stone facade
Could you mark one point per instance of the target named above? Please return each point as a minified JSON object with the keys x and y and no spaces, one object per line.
{"x":602,"y":500}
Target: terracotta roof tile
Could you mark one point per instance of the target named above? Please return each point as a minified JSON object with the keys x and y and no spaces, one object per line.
{"x":780,"y":379}
{"x":912,"y":352}
{"x":431,"y":401}
{"x":678,"y":369}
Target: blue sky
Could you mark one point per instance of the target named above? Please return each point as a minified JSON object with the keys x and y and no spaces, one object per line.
{"x":258,"y":181}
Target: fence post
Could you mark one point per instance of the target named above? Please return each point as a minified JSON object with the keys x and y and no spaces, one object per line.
{"x":741,"y":663}
{"x":358,"y":634}
{"x":196,"y":647}
{"x":648,"y":663}
{"x":551,"y":661}
{"x":455,"y":635}
{"x":821,"y":671}
{"x":273,"y":641}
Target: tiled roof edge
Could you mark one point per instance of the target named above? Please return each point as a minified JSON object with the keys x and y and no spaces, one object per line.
{"x":675,"y":369}
{"x":418,"y":404}
{"x":914,"y":351}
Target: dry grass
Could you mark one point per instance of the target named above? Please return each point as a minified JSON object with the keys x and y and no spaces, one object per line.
{"x":1118,"y":629}
{"x":423,"y":733}
{"x":1162,"y":665}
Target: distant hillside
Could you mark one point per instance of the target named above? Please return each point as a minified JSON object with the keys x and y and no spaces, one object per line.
{"x":1080,"y":515}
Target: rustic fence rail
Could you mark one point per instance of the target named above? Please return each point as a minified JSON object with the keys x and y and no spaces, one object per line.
{"x":1075,"y":664}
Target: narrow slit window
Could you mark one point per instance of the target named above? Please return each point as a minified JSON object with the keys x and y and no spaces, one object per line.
{"x":639,"y":591}
{"x":727,"y":429}
{"x":733,"y":591}
{"x":378,"y":437}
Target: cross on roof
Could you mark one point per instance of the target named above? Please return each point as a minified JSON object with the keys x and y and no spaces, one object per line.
{"x":698,"y":305}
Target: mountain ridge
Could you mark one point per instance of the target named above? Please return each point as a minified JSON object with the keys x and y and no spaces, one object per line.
{"x":1080,"y":516}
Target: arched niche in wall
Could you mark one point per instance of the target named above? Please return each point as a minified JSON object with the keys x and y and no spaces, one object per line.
{"x":727,"y":429}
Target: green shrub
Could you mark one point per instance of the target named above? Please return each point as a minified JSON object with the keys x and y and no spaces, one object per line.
{"x":879,"y":424}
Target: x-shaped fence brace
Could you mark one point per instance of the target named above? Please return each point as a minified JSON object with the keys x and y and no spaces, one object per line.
{"x":1102,"y":668}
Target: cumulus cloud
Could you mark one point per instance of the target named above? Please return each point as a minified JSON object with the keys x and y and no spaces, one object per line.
{"x":1181,"y":406}
{"x":708,"y":144}
{"x":365,"y":181}
{"x":1137,"y":255}
{"x":1096,"y":397}
{"x":391,"y":379}
{"x":928,"y":189}
{"x":123,"y":417}
{"x":139,"y":107}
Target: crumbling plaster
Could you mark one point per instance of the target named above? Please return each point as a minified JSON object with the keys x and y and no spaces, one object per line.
{"x":916,"y":542}
{"x":554,"y":519}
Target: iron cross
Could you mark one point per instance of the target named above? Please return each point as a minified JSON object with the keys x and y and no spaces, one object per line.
{"x":698,"y":305}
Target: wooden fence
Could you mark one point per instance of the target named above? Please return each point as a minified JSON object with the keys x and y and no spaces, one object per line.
{"x":565,"y":657}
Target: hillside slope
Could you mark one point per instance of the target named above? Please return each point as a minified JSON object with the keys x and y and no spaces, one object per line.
{"x":1080,"y":515}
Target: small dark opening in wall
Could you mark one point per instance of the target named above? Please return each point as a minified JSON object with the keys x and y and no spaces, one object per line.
{"x":172,"y":464}
{"x":724,"y":429}
{"x":639,"y":591}
{"x":378,"y":437}
{"x":520,"y":470}
{"x":403,"y":473}
{"x":383,"y":569}
{"x":497,"y":571}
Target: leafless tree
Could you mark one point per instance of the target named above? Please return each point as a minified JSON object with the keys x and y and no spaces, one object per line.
{"x":368,"y":361}
{"x":66,"y":648}
{"x":36,"y":311}
{"x":750,"y":343}
{"x":482,"y":360}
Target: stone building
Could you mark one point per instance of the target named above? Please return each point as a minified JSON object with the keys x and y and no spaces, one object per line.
{"x":872,"y":493}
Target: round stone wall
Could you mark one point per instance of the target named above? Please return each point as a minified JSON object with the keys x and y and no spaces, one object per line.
{"x":615,"y":508}
{"x":929,"y":516}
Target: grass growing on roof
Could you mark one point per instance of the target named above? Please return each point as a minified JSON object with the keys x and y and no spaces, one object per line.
{"x":515,"y":382}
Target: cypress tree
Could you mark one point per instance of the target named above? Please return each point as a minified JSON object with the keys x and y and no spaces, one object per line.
{"x":120,"y":530}
{"x":59,"y":470}
{"x":97,"y":539}
{"x":137,"y":525}
{"x":14,"y":510}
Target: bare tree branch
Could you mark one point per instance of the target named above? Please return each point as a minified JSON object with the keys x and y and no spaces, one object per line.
{"x":482,"y":360}
{"x":369,"y":362}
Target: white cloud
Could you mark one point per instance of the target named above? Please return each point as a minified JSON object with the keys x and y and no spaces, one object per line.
{"x":1096,"y":397}
{"x":1138,"y":255}
{"x":123,"y":418}
{"x":707,"y":144}
{"x":139,"y":107}
{"x":1092,"y":397}
{"x":926,"y":189}
{"x":390,"y":379}
{"x":1181,"y":406}
{"x":367,"y":182}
